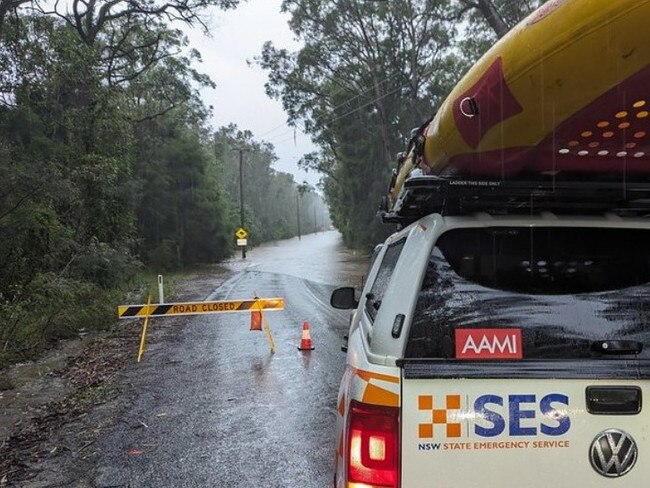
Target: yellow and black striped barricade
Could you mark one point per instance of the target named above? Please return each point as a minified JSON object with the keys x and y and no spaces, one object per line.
{"x":198,"y":308}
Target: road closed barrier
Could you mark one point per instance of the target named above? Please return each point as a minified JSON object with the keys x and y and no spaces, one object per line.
{"x":197,"y":308}
{"x":255,"y":306}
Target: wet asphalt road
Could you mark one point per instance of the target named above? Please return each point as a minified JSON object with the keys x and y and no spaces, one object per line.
{"x":220,"y":410}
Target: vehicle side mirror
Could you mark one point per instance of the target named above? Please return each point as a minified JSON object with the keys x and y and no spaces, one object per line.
{"x":343,"y":298}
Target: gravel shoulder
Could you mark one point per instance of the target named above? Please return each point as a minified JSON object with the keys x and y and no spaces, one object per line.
{"x":55,"y":410}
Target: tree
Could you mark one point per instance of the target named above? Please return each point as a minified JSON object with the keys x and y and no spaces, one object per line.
{"x":364,"y":78}
{"x":92,"y":19}
{"x":183,"y":214}
{"x":99,"y":105}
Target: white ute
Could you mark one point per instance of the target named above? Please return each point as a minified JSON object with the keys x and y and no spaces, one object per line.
{"x":495,"y":351}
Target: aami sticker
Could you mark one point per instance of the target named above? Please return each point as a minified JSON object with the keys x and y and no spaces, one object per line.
{"x":488,"y":344}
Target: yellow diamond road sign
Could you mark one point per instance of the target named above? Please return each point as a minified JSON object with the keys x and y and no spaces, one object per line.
{"x":241,"y":233}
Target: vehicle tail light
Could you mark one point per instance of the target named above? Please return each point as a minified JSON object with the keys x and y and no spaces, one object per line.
{"x":373,"y":446}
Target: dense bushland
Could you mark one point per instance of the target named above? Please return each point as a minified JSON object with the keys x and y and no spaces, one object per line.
{"x":108,"y":167}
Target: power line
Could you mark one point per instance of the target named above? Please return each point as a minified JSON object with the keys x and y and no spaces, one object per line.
{"x":349,"y":100}
{"x":337,"y":106}
{"x":284,"y":133}
{"x":330,"y":121}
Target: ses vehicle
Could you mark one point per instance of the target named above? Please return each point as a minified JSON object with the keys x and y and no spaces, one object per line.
{"x":502,"y":338}
{"x":492,"y":349}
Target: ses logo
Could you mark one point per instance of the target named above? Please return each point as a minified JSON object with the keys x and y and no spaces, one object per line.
{"x":493,"y":415}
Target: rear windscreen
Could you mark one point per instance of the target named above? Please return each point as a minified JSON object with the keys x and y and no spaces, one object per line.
{"x":557,"y":293}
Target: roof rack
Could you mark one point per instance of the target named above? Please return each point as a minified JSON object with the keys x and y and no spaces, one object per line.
{"x":424,"y":195}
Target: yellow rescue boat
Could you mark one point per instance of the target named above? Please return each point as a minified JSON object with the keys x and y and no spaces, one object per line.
{"x":565,"y":94}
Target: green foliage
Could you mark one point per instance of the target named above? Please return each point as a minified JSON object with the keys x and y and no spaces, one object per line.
{"x":369,"y":72}
{"x":182,"y":215}
{"x":105,"y":164}
{"x":51,"y":307}
{"x":104,"y":266}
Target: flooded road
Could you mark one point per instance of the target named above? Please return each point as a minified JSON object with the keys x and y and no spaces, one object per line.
{"x":321,"y":258}
{"x":219,"y":408}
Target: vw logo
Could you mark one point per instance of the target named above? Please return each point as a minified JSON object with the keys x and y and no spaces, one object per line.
{"x":613,"y":453}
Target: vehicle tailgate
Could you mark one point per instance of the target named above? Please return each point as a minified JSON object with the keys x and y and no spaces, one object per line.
{"x":497,"y":433}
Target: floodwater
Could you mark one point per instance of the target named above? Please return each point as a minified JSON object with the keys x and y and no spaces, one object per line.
{"x":319,"y":257}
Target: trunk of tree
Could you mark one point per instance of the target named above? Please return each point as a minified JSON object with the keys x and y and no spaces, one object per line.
{"x":492,"y":17}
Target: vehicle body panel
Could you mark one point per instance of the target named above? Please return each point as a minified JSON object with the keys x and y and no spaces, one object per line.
{"x":375,"y":375}
{"x":508,"y":448}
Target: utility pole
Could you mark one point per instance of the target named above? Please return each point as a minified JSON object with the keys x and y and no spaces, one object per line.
{"x":298,"y":211}
{"x":241,"y":196}
{"x":304,"y":187}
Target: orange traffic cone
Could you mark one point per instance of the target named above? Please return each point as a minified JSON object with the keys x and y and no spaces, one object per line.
{"x":256,"y":317}
{"x":305,"y":342}
{"x":256,"y":320}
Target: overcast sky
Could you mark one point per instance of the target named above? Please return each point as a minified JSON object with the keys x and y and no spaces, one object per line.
{"x":238,"y":36}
